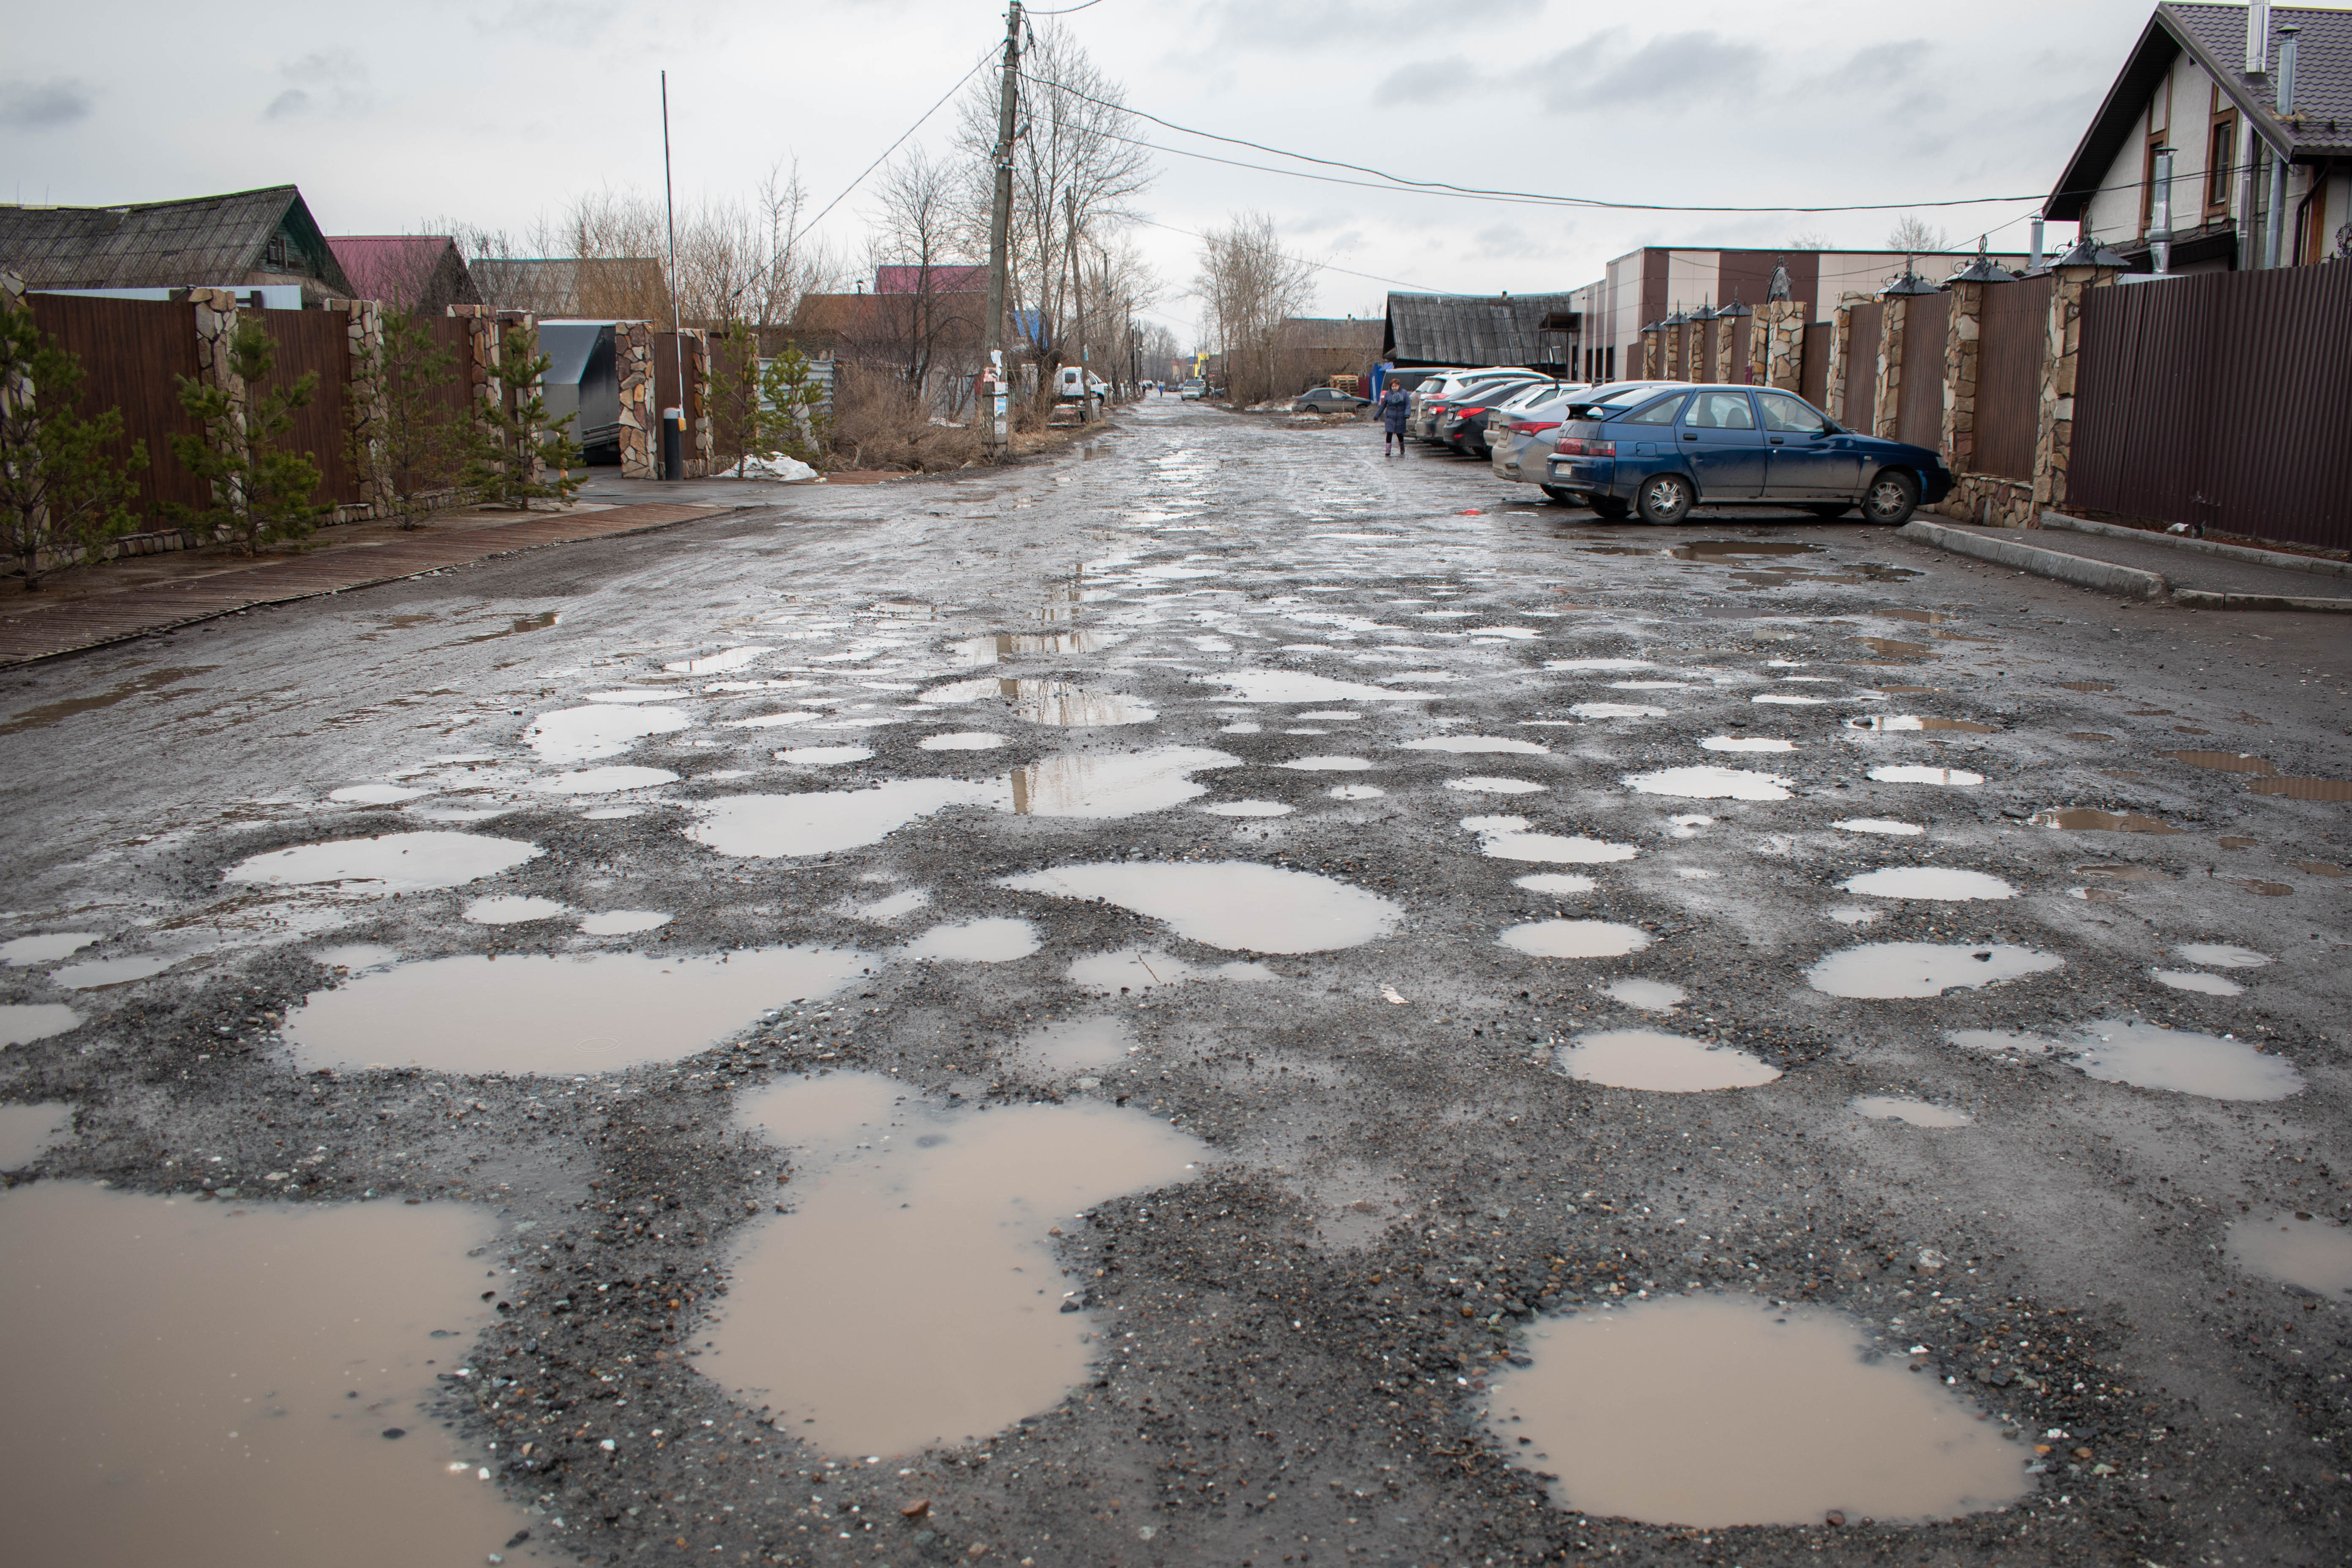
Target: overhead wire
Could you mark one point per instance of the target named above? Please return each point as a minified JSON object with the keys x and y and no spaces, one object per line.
{"x":894,"y":146}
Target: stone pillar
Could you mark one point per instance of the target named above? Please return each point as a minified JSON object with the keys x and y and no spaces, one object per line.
{"x":1962,"y":340}
{"x":633,"y":361}
{"x":215,"y":320}
{"x":1886,"y":387}
{"x":1780,"y":325}
{"x":1672,"y":370}
{"x":1840,"y":345}
{"x":2053,"y":439}
{"x":700,"y":435}
{"x":481,"y":351}
{"x":1650,"y":357}
{"x":365,"y":397}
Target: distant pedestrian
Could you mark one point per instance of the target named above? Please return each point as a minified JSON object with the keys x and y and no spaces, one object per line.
{"x":1395,"y":401}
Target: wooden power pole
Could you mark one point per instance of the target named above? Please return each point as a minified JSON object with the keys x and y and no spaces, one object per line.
{"x":996,"y":405}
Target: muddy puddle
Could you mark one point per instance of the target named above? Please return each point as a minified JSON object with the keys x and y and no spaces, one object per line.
{"x":1618,"y":710}
{"x":2148,"y":1056}
{"x":1745,"y":743}
{"x":2303,"y":789}
{"x":1076,"y":1045}
{"x":1476,"y":745}
{"x":196,"y":1383}
{"x":962,"y":741}
{"x":1918,"y":1112}
{"x":511,"y":910}
{"x":1610,"y":665}
{"x":2222,"y":955}
{"x":1556,"y":882}
{"x":1721,"y":549}
{"x":1887,"y":723}
{"x":819,"y":822}
{"x":1888,"y":969}
{"x":2198,"y":980}
{"x":1948,"y":882}
{"x":1789,"y":699}
{"x":1328,"y":765}
{"x":1703,"y":782}
{"x":1662,"y":1063}
{"x":2294,"y":1247}
{"x":2222,"y":762}
{"x":2083,"y":819}
{"x":1355,"y":791}
{"x":1649,"y":996}
{"x":1574,"y":939}
{"x":1054,"y":702}
{"x":120,"y":970}
{"x":995,"y":939}
{"x":26,"y":1130}
{"x":623,"y":922}
{"x":373,"y":795}
{"x":531,"y":1013}
{"x":394,"y":863}
{"x":1296,"y":686}
{"x":724,"y":662}
{"x":47,"y":947}
{"x":1143,"y":968}
{"x":1714,"y":1412}
{"x":1507,"y":839}
{"x":912,"y":1296}
{"x":599,"y":729}
{"x":1237,"y":905}
{"x":1880,"y":825}
{"x":977,"y":651}
{"x":603,"y":781}
{"x":1906,"y":773}
{"x":1099,"y":785}
{"x":1480,"y":783}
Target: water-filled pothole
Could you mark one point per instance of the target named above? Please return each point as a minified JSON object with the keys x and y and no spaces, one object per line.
{"x":1908,"y":773}
{"x":1890,"y":722}
{"x":534,"y":1014}
{"x":1918,"y":1112}
{"x":1473,"y":746}
{"x":1057,"y":702}
{"x":1887,"y":970}
{"x":1880,"y":825}
{"x":511,"y":908}
{"x":2305,"y":789}
{"x":1719,"y":1411}
{"x":396,"y":863}
{"x":1704,"y":782}
{"x":603,"y":781}
{"x":26,"y":1130}
{"x":1947,"y":882}
{"x":2225,"y":761}
{"x":1507,"y":839}
{"x":22,"y":1022}
{"x":1745,"y":743}
{"x":1296,"y":686}
{"x":46,"y":948}
{"x":2222,"y":955}
{"x":1649,"y":996}
{"x":1076,"y":1045}
{"x":1238,"y":905}
{"x":912,"y":1296}
{"x":2148,"y":1056}
{"x":599,"y":729}
{"x":1556,"y":882}
{"x":961,"y":741}
{"x":1480,"y":785}
{"x":182,"y":1382}
{"x":2083,"y":819}
{"x":818,"y":822}
{"x":998,"y":940}
{"x":1662,"y":1063}
{"x":2198,"y":980}
{"x":1574,"y":939}
{"x":2294,"y":1248}
{"x":1144,"y":968}
{"x":1087,"y":785}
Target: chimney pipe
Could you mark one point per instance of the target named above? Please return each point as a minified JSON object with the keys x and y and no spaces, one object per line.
{"x":2159,"y":216}
{"x":2274,"y":236}
{"x":2035,"y":264}
{"x":2287,"y":30}
{"x":2258,"y":37}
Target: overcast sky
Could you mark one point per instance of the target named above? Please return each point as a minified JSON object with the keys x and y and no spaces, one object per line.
{"x":499,"y":111}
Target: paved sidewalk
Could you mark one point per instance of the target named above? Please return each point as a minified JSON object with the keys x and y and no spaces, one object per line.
{"x":96,"y":605}
{"x":2188,"y":575}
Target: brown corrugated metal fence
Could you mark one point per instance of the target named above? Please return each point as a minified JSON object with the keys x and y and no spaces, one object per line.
{"x":2224,"y":399}
{"x":1919,"y":401}
{"x":1813,"y":372}
{"x":2013,"y":340}
{"x":130,"y":350}
{"x":1862,"y":366}
{"x":317,"y":341}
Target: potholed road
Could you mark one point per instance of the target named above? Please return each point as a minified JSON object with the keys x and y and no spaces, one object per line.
{"x":1221,"y":999}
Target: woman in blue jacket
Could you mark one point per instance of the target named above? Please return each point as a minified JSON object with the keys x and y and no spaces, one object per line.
{"x":1395,"y":402}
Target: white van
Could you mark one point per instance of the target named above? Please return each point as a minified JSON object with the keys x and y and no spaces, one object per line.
{"x":1067,"y":386}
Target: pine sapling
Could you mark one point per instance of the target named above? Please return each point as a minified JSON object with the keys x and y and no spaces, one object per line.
{"x":261,"y":489}
{"x":64,"y":490}
{"x":519,"y":455}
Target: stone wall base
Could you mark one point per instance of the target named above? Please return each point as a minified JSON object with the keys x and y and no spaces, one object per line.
{"x":1990,"y":502}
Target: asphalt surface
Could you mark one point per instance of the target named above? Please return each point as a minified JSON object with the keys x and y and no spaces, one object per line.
{"x":2181,"y":568}
{"x":1293,"y":1349}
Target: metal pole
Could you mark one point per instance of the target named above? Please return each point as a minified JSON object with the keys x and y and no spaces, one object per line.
{"x":996,"y":432}
{"x":677,"y":333}
{"x":2159,"y":216}
{"x":2274,"y":238}
{"x":2036,"y":262}
{"x":1078,"y":313}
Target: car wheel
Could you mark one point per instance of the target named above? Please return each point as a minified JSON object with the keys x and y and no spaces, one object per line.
{"x":1566,"y":498}
{"x":1663,"y":498}
{"x":1831,"y":509}
{"x":1609,"y":508}
{"x":1891,"y":498}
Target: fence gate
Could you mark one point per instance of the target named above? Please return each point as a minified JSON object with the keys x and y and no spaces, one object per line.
{"x":2223,"y":399}
{"x":2013,"y":338}
{"x":1919,"y":399}
{"x":1862,"y":366}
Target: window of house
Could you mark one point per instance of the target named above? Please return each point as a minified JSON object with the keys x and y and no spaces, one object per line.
{"x":2221,"y":162}
{"x":274,"y":253}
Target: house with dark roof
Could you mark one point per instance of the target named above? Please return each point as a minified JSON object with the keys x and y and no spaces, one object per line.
{"x":424,"y":273}
{"x":610,"y":289}
{"x":2206,"y":83}
{"x":1539,"y":331}
{"x":246,"y":239}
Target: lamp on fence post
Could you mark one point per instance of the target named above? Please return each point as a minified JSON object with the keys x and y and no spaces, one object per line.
{"x":2159,"y":213}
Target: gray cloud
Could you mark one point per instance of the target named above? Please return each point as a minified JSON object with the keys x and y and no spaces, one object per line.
{"x":331,"y":83}
{"x":42,"y":105}
{"x":1429,"y":81}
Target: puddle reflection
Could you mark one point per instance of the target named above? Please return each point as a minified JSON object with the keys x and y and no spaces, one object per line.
{"x":1660,"y":1063}
{"x":1237,"y":905}
{"x":2294,"y":1247}
{"x":394,"y":863}
{"x":1888,"y":969}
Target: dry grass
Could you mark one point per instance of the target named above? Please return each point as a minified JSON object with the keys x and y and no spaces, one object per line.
{"x":880,"y":423}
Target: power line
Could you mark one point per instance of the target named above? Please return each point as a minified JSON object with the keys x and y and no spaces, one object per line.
{"x":894,"y":146}
{"x":1063,"y":11}
{"x":1319,"y":266}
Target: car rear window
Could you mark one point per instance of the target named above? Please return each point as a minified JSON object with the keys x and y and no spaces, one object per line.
{"x":1660,"y":412}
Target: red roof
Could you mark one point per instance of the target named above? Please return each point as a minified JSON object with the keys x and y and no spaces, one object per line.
{"x":389,"y":266}
{"x":944,"y":279}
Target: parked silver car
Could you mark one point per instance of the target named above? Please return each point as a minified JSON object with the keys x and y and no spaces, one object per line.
{"x":1519,"y":432}
{"x":1422,"y":420}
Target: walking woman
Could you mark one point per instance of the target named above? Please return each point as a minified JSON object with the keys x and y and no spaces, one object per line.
{"x":1395,"y":401}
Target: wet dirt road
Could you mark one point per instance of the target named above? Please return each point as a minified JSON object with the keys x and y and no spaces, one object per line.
{"x":1218,"y":1000}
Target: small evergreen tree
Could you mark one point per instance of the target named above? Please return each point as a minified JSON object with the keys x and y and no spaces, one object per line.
{"x":261,"y":491}
{"x":793,"y":419}
{"x":63,"y":492}
{"x":421,"y":445}
{"x":513,"y":437}
{"x":743,"y":425}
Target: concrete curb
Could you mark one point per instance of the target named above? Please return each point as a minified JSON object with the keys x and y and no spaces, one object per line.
{"x":2126,"y":581}
{"x":2207,"y":599}
{"x":2278,"y":558}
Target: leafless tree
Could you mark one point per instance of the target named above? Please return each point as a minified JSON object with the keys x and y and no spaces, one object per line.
{"x":933,"y":324}
{"x":1809,"y":239}
{"x":1915,"y":235}
{"x":1250,"y":287}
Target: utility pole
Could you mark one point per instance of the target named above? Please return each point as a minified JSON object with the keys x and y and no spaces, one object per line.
{"x":673,"y":439}
{"x":1078,"y":311}
{"x":995,"y":413}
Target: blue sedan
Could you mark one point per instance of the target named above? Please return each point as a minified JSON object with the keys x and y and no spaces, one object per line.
{"x":1659,"y":455}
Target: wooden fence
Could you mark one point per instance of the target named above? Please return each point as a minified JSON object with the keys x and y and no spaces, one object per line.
{"x":2013,"y":339}
{"x":133,"y":353}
